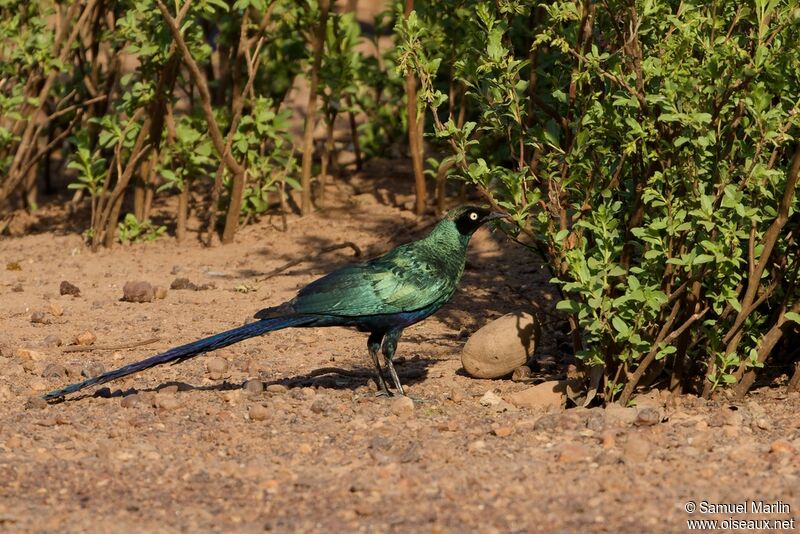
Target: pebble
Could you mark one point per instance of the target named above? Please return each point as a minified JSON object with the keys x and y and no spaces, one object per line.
{"x":37,"y":384}
{"x":319,"y":406}
{"x":92,"y":369}
{"x":129,"y":401}
{"x":138,"y":292}
{"x":17,"y":288}
{"x":29,"y":354}
{"x":167,"y":402}
{"x":54,"y":370}
{"x":35,"y":403}
{"x":160,"y":292}
{"x":545,"y":395}
{"x":620,"y":415}
{"x":172,"y":388}
{"x":253,"y":386}
{"x":490,"y":398}
{"x":52,"y":341}
{"x":277,"y":388}
{"x":402,"y":406}
{"x":259,"y":412}
{"x":477,"y":445}
{"x":781,"y":445}
{"x":521,"y":374}
{"x":216,"y":367}
{"x":85,"y":338}
{"x":647,"y":417}
{"x":56,"y":309}
{"x":503,"y":431}
{"x":38,"y":317}
{"x":456,"y":395}
{"x":67,"y":288}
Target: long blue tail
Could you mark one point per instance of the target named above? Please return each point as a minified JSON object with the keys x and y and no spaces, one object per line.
{"x":190,"y":350}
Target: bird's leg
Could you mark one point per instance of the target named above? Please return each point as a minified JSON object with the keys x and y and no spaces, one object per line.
{"x":374,"y":345}
{"x":389,"y":346}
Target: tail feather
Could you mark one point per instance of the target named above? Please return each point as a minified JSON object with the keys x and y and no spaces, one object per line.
{"x":184,"y":352}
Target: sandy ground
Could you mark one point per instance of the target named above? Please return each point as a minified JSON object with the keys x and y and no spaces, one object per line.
{"x":185,"y":449}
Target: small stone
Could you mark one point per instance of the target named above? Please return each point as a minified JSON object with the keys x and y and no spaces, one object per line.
{"x":781,"y":446}
{"x":35,"y":403}
{"x":56,"y":309}
{"x":764,"y":423}
{"x":545,"y":395}
{"x":620,"y":415}
{"x":37,"y":384}
{"x":608,"y":439}
{"x":402,"y":406}
{"x":160,"y":292}
{"x":67,"y":288}
{"x":92,"y":369}
{"x":259,"y":413}
{"x":85,"y":338}
{"x":636,"y":449}
{"x":168,"y":390}
{"x":456,"y":395}
{"x":647,"y":417}
{"x":216,"y":367}
{"x":490,"y":398}
{"x":137,"y":292}
{"x":503,"y":431}
{"x":17,"y":288}
{"x":29,"y":354}
{"x":573,"y":452}
{"x":52,"y":341}
{"x":167,"y":402}
{"x":54,"y":370}
{"x":277,"y":388}
{"x":319,"y":406}
{"x":254,"y":387}
{"x":38,"y":317}
{"x":182,"y":283}
{"x":521,"y":374}
{"x":129,"y":401}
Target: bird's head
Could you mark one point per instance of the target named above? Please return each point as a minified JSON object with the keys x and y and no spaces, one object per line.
{"x":469,"y":218}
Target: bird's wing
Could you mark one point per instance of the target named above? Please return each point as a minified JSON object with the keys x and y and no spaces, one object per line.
{"x":400,"y":281}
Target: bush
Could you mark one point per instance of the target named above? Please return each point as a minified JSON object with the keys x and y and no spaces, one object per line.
{"x":650,"y":152}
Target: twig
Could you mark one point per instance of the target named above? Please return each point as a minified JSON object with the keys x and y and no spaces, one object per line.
{"x":112,"y":347}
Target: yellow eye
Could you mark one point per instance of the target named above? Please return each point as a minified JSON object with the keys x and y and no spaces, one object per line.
{"x":473,"y":216}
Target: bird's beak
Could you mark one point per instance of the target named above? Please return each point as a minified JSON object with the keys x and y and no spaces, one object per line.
{"x":494,"y":216}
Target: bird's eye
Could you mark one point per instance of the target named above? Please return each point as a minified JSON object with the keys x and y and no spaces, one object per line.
{"x":473,"y":216}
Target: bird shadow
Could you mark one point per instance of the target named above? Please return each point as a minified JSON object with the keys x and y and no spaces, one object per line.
{"x":411,"y":371}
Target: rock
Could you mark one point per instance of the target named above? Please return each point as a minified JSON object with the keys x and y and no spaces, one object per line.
{"x":490,"y":398}
{"x":160,"y":292}
{"x":66,"y":288}
{"x":37,"y":384}
{"x":167,"y":390}
{"x":402,"y":406}
{"x":501,"y":346}
{"x":92,"y":369}
{"x":521,"y":374}
{"x":54,"y":370}
{"x":184,"y":283}
{"x":138,"y":292}
{"x":544,"y":395}
{"x":476,"y":445}
{"x":73,"y":370}
{"x":56,"y":309}
{"x":29,"y":354}
{"x":647,"y":417}
{"x":319,"y":406}
{"x":573,"y":452}
{"x":258,"y":412}
{"x":503,"y":431}
{"x":781,"y":446}
{"x":85,"y":338}
{"x":456,"y":395}
{"x":52,"y":341}
{"x":129,"y":401}
{"x":167,"y":402}
{"x":277,"y":388}
{"x":38,"y":317}
{"x":35,"y":403}
{"x":620,"y":415}
{"x":17,"y":288}
{"x":254,"y":387}
{"x":636,"y":449}
{"x":216,"y":367}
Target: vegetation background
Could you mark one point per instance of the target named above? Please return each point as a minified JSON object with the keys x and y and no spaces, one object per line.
{"x":647,"y":150}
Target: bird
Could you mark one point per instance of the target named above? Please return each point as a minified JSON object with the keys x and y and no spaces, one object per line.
{"x":382,"y":297}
